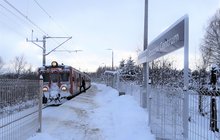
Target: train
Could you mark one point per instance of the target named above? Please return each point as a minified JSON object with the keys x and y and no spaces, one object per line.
{"x":62,"y":82}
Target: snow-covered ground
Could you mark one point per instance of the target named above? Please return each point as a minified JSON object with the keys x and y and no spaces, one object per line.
{"x":98,"y":114}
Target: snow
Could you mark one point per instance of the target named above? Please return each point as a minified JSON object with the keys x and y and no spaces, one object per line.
{"x":110,"y":72}
{"x":98,"y":114}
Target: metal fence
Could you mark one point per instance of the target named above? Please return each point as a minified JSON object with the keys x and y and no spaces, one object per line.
{"x":131,"y":88}
{"x":166,"y":113}
{"x":20,"y":108}
{"x":204,"y":114}
{"x":165,"y":106}
{"x":114,"y":80}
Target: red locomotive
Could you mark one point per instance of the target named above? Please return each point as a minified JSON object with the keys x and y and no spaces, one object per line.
{"x":62,"y":82}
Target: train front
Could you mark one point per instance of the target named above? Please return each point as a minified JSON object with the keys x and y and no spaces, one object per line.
{"x":56,"y":83}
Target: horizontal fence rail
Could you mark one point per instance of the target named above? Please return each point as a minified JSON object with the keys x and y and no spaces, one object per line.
{"x":19,"y":103}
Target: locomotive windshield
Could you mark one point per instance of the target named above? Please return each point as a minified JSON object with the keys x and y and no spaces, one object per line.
{"x":55,"y":77}
{"x":65,"y":77}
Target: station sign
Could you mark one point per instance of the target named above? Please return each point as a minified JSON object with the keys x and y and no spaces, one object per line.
{"x":170,"y":40}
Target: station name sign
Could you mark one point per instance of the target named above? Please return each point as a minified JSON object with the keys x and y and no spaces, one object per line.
{"x":167,"y":42}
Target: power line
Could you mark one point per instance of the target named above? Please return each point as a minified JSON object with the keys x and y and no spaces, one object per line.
{"x":45,"y":11}
{"x":42,"y":9}
{"x":11,"y":27}
{"x":49,"y":16}
{"x":9,"y":10}
{"x":26,"y":17}
{"x":13,"y":21}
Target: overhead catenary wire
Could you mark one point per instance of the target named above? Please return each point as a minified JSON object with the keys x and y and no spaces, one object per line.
{"x":9,"y":11}
{"x":10,"y":27}
{"x":26,"y":17}
{"x":13,"y":21}
{"x":52,"y":19}
{"x":43,"y":9}
{"x":22,"y":20}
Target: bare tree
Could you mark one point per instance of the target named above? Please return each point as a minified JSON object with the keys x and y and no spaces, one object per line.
{"x":210,"y":46}
{"x":19,"y":63}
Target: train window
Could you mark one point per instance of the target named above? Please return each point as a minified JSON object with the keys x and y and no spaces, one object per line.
{"x":65,"y":76}
{"x":54,"y":77}
{"x":46,"y":77}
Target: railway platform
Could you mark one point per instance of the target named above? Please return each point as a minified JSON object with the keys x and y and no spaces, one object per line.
{"x":98,"y":114}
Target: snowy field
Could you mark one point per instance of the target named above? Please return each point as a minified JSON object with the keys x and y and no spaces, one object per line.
{"x":98,"y":114}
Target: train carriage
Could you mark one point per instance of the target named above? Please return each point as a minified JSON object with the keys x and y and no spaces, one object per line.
{"x":61,"y":82}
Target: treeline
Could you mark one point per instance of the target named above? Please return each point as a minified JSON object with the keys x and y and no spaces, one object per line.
{"x":17,"y":69}
{"x":31,"y":75}
{"x":164,"y":73}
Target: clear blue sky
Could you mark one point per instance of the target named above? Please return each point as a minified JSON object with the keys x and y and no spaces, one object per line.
{"x":95,"y":26}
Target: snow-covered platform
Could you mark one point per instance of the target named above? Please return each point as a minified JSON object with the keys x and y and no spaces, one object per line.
{"x":98,"y":114}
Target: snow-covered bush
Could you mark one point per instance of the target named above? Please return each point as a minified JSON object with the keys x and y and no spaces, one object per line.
{"x":129,"y":71}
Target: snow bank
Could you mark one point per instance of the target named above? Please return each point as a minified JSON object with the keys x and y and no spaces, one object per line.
{"x":120,"y":117}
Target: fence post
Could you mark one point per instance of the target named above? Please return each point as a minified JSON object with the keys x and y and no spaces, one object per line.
{"x":213,"y":115}
{"x":149,"y":108}
{"x":40,"y":103}
{"x":143,"y":96}
{"x":218,"y":110}
{"x":117,"y":81}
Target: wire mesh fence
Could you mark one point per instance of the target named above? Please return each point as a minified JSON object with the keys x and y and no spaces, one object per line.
{"x":19,"y":103}
{"x":114,"y":80}
{"x":204,"y":114}
{"x":165,"y":105}
{"x":130,"y":88}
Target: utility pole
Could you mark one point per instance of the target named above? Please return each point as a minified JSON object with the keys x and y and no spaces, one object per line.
{"x":44,"y":45}
{"x":145,"y":65}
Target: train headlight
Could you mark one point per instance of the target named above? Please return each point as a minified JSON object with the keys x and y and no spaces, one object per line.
{"x":63,"y":88}
{"x":54,"y":64}
{"x":45,"y":89}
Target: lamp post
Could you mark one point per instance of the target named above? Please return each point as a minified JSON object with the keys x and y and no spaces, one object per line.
{"x":112,"y":58}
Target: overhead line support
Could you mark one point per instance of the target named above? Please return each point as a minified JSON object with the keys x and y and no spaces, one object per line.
{"x":44,"y":46}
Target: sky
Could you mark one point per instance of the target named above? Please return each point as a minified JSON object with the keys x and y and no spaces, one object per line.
{"x":97,"y":28}
{"x":96,"y":115}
